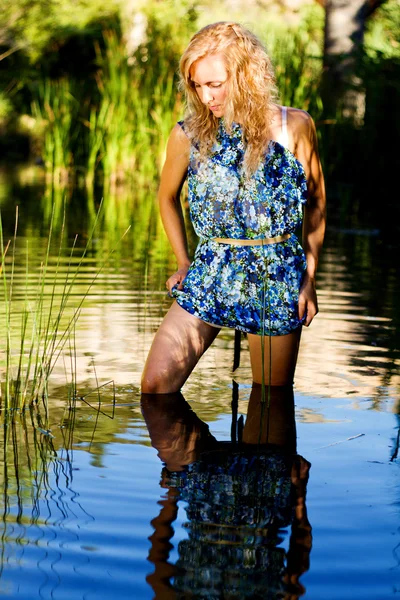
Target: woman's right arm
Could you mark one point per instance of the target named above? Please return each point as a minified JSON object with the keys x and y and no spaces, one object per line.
{"x":172,"y":178}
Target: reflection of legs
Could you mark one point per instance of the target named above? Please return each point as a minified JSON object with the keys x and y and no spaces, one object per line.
{"x":271,"y":422}
{"x":283,"y":348}
{"x":298,"y":557}
{"x":160,"y":549}
{"x":178,"y":344}
{"x":175,"y":430}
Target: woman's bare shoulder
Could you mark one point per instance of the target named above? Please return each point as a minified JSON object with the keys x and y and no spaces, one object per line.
{"x":178,"y":141}
{"x":303,"y":131}
{"x":178,"y":133}
{"x":300,"y":121}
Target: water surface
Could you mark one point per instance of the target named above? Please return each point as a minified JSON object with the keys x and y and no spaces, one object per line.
{"x":96,"y":504}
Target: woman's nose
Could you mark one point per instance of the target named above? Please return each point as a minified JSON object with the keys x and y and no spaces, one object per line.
{"x":207,"y":95}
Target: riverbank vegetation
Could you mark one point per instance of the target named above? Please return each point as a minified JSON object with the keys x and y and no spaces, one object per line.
{"x":91,"y":95}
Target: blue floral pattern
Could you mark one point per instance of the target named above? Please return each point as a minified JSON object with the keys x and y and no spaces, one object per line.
{"x":251,"y":288}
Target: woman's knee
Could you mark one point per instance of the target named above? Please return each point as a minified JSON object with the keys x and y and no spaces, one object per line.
{"x":156,"y":386}
{"x":158,"y":382}
{"x":176,"y":349}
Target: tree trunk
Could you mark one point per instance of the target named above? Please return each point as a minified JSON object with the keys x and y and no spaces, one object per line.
{"x":344,"y":34}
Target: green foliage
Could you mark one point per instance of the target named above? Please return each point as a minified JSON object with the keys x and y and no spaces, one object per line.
{"x":102,"y":98}
{"x":32,"y":25}
{"x":169,"y":27}
{"x":382,"y":37}
{"x":136,"y":103}
{"x":6,"y":108}
{"x":298,"y":70}
{"x":54,"y":109}
{"x":128,"y":130}
{"x":112,"y":114}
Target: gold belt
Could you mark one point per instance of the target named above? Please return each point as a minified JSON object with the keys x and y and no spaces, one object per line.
{"x":257,"y":242}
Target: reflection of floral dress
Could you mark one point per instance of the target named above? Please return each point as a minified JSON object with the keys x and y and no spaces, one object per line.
{"x":234,"y":286}
{"x":236,"y":505}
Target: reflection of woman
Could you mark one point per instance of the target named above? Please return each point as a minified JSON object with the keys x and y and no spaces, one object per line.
{"x":246,"y":196}
{"x":238,"y":497}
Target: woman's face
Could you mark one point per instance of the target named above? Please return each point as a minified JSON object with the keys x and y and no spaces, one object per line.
{"x":210,"y":80}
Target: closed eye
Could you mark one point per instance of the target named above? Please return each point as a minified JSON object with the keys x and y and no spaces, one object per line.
{"x":210,"y":84}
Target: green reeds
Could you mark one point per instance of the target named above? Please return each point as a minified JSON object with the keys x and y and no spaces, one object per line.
{"x":28,"y":357}
{"x":37,"y":332}
{"x":97,"y":126}
{"x":298,"y":69}
{"x":54,"y":108}
{"x":265,"y":386}
{"x":115,"y":86}
{"x":129,"y":128}
{"x":167,"y":109}
{"x":128,"y":118}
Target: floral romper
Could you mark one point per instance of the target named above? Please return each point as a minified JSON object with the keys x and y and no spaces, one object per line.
{"x":254,"y":289}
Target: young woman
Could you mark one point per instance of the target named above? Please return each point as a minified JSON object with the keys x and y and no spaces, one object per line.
{"x":253,"y":172}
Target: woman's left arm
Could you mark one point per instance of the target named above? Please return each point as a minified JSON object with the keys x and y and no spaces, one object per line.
{"x":314,"y":213}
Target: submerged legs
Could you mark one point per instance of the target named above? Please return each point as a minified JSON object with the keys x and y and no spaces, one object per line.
{"x":182,"y":339}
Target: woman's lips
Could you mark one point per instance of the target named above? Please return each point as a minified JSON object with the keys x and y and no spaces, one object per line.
{"x":215,"y":107}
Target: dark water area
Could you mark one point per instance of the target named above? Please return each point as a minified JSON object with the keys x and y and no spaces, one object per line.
{"x":118,"y":495}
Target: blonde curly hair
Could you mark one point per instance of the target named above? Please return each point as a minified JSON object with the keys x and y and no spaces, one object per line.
{"x":251,"y":89}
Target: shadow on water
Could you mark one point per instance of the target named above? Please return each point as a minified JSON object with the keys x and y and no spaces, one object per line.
{"x":239,"y":496}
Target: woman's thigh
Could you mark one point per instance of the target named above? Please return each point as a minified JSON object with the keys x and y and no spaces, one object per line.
{"x":280,"y":356}
{"x":177,"y":346}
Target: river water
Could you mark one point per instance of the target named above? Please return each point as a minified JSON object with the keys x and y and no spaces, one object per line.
{"x":108,"y":497}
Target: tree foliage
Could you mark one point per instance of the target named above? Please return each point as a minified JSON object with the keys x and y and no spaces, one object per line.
{"x":32,"y":25}
{"x":382,"y":37}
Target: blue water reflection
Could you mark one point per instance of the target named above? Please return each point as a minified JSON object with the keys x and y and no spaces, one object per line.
{"x":92,"y":521}
{"x":83,"y":532}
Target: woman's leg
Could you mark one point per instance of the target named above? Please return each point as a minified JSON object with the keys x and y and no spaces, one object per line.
{"x":177,"y":346}
{"x":280,"y":353}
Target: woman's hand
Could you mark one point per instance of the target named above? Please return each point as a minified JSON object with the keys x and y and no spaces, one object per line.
{"x":308,"y":302}
{"x":176,"y":279}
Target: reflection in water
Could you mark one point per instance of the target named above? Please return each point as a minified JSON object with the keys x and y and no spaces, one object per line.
{"x":39,"y":507}
{"x":239,"y":495}
{"x":349,"y":359}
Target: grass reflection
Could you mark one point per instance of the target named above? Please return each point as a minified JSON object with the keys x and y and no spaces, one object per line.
{"x":37,"y":496}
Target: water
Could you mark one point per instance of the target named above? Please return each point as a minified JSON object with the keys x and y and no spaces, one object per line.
{"x":88,"y":508}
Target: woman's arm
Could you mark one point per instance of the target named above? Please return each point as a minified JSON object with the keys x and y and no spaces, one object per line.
{"x":172,"y":177}
{"x":314,"y":212}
